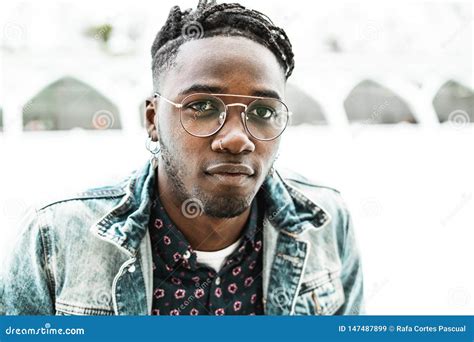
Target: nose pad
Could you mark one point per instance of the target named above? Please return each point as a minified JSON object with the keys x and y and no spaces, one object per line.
{"x":228,"y":116}
{"x":233,"y":124}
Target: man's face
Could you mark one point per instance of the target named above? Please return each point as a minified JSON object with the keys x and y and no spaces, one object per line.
{"x":197,"y":167}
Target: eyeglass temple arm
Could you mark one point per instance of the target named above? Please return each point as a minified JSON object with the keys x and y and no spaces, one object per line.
{"x":177,"y":105}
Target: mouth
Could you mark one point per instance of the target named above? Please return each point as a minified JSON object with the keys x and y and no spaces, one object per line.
{"x":230,"y":169}
{"x":230,"y":173}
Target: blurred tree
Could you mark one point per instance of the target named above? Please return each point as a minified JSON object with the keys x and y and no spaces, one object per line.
{"x":100,"y":33}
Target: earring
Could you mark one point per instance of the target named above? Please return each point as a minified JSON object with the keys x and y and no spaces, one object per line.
{"x":154,"y":148}
{"x":272,"y":171}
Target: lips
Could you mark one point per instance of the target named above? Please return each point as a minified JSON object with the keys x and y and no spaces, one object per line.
{"x":230,"y":169}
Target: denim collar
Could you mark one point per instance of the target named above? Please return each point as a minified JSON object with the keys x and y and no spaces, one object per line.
{"x":126,"y":224}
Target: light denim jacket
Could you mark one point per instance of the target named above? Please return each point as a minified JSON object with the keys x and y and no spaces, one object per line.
{"x":91,"y":254}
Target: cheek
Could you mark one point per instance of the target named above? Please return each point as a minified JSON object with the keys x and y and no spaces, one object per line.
{"x":169,"y":128}
{"x":183,"y":146}
{"x":186,"y":147}
{"x":270,"y":151}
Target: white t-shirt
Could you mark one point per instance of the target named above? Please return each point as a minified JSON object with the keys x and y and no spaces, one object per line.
{"x":216,"y":259}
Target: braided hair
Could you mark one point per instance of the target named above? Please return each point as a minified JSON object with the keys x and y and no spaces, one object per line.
{"x":210,"y":19}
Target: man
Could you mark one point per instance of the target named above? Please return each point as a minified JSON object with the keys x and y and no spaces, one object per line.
{"x":207,"y":227}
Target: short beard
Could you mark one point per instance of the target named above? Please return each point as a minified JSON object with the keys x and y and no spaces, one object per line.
{"x":212,"y":206}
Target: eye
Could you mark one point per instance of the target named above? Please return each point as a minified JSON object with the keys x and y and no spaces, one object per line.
{"x":202,"y":106}
{"x":262,"y":112}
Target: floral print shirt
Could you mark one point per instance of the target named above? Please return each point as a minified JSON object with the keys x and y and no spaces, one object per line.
{"x":182,"y":286}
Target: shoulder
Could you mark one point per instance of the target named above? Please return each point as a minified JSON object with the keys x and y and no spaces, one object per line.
{"x":75,"y":213}
{"x":323,"y":195}
{"x":338,"y":230}
{"x":303,"y":181}
{"x":328,"y":199}
{"x":88,"y":197}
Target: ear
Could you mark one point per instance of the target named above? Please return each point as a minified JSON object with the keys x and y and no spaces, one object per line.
{"x":151,"y":119}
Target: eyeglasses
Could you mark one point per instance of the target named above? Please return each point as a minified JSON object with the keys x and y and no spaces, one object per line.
{"x":203,"y":115}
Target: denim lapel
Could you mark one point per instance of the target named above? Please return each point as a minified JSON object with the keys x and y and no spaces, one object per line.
{"x":126,"y":224}
{"x":288,"y":214}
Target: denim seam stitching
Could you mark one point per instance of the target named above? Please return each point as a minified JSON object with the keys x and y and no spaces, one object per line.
{"x":46,"y":255}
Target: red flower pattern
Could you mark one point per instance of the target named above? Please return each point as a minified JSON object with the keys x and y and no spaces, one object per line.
{"x":184,"y":287}
{"x":180,"y":293}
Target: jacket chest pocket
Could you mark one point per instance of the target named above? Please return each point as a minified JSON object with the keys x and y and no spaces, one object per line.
{"x":68,"y":309}
{"x":323,"y":295}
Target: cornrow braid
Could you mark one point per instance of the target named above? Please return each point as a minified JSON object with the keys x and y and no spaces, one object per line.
{"x":210,"y":19}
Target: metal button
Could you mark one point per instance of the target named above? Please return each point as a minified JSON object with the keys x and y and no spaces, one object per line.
{"x":187,"y":254}
{"x":218,"y":280}
{"x":131,"y":269}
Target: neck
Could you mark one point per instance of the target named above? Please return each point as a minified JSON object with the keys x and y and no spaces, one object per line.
{"x":204,"y":233}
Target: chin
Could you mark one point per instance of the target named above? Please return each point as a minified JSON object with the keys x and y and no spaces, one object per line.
{"x":226,"y":206}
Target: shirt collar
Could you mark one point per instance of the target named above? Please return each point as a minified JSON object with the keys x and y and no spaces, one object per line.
{"x":125,"y":224}
{"x":173,"y":246}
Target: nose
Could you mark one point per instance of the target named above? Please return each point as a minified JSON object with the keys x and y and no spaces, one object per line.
{"x":233,"y":137}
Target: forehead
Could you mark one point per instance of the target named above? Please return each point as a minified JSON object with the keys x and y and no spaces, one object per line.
{"x":233,"y":64}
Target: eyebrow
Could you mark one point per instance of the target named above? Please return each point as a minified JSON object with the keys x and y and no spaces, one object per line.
{"x":203,"y":88}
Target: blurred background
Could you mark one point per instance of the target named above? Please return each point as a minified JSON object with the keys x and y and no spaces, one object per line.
{"x":383,"y":104}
